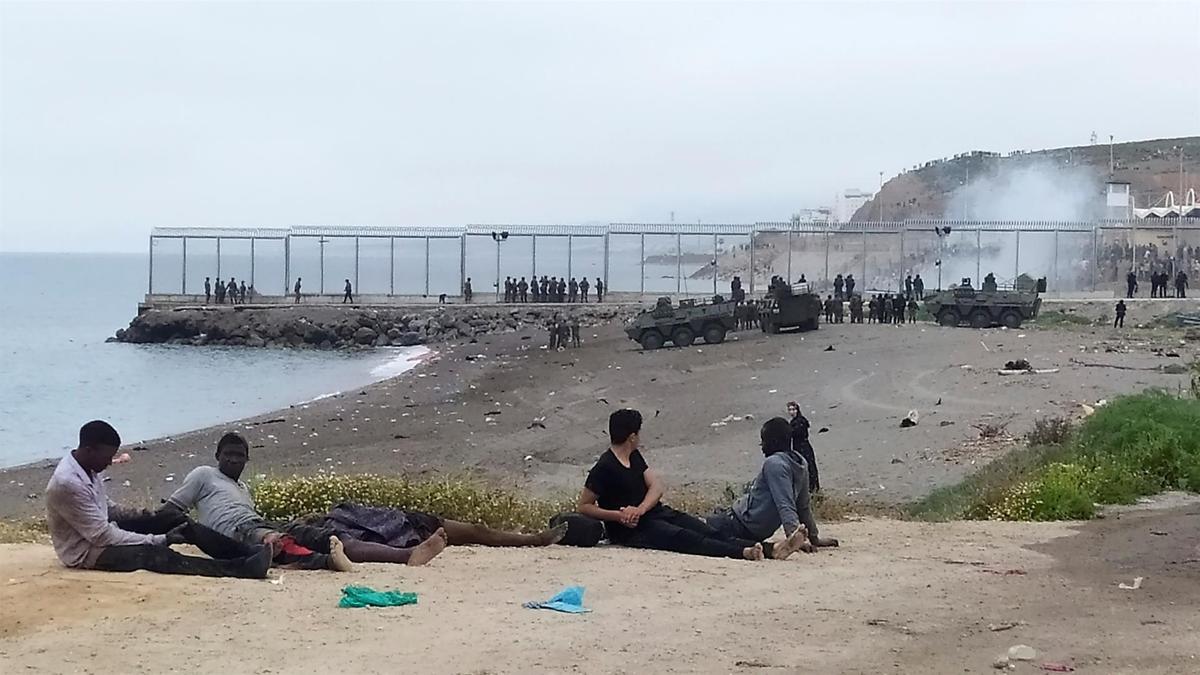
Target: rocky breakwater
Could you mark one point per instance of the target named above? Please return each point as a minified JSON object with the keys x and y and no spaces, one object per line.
{"x":338,"y":328}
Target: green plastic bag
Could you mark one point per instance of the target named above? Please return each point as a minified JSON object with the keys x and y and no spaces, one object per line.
{"x":365,"y":596}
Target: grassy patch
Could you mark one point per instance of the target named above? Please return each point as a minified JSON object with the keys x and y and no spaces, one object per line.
{"x":1057,"y":317}
{"x":23,"y":531}
{"x":1135,"y":446}
{"x":461,"y":499}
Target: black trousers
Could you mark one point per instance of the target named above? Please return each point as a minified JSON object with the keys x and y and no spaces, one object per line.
{"x":1119,"y":321}
{"x":665,"y":529}
{"x":228,"y":558}
{"x":214,"y":544}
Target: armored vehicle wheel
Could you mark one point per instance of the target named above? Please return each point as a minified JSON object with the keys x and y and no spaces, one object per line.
{"x":683,"y":337}
{"x":1011,"y":319}
{"x":714,"y":334}
{"x":651,"y":339}
{"x":980,"y":319}
{"x":948,"y":317}
{"x":811,"y":324}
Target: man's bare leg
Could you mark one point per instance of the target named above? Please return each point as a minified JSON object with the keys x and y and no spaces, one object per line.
{"x":461,"y":534}
{"x":366,"y":551}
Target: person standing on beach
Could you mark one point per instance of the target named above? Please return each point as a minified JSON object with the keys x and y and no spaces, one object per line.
{"x":599,"y":290}
{"x":242,"y":291}
{"x":468,"y":295}
{"x":625,"y":493}
{"x":296,"y":290}
{"x":347,"y":296}
{"x":231,"y":291}
{"x":89,"y":531}
{"x":207,"y":290}
{"x":583,"y":290}
{"x":1119,"y":322}
{"x":575,"y":331}
{"x":573,"y":290}
{"x":523,"y":290}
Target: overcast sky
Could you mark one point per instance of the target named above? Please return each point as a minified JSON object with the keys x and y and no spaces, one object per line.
{"x":119,"y":117}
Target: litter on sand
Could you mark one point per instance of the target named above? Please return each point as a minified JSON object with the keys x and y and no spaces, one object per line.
{"x":568,"y":600}
{"x":1137,"y":583}
{"x":365,"y":596}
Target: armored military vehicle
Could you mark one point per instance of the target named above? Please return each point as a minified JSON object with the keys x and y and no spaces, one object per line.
{"x":681,"y":324}
{"x":788,"y":307}
{"x":990,"y":306}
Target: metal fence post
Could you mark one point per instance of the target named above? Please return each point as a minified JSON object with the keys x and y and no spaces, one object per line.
{"x":251,"y":262}
{"x":606,"y":252}
{"x":678,"y":263}
{"x":826,"y":254}
{"x":864,"y":240}
{"x":426,"y":266}
{"x":533,"y":254}
{"x":218,"y":258}
{"x":183,"y":281}
{"x":287,"y":263}
{"x":789,"y":249}
{"x":1056,"y":282}
{"x":752,"y":233}
{"x":392,"y":266}
{"x":150,"y":281}
{"x":1133,"y":246}
{"x":570,"y":241}
{"x":714,"y":263}
{"x":978,"y":252}
{"x":903,"y":263}
{"x":462,"y":264}
{"x":1095,"y":254}
{"x":1017,"y":261}
{"x":356,"y":288}
{"x":321,"y":246}
{"x":643,"y":264}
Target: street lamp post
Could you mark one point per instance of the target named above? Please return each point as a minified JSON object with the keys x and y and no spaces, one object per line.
{"x":498,"y":237}
{"x":942,"y":233}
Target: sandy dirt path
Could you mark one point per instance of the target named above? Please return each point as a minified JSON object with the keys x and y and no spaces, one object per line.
{"x":898,"y":597}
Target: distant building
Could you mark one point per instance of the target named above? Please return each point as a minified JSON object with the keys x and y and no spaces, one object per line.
{"x":1169,"y":209}
{"x":848,"y":203}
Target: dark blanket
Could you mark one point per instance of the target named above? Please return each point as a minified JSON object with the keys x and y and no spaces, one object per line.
{"x":381,"y":525}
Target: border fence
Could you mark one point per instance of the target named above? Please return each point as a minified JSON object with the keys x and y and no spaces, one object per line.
{"x":1077,"y":258}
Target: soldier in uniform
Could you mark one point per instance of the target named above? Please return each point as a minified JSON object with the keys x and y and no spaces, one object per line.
{"x":850,"y":286}
{"x":583,"y":289}
{"x":573,"y":290}
{"x":919,"y":287}
{"x":838,"y":284}
{"x":898,"y":309}
{"x":564,"y":333}
{"x":856,"y":309}
{"x":599,"y":290}
{"x":885,"y":308}
{"x":828,"y":309}
{"x":912,"y":310}
{"x":873,"y":309}
{"x":908,"y":286}
{"x":838,"y":309}
{"x":1119,"y":322}
{"x":552,"y":329}
{"x":574,"y":331}
{"x":523,"y":290}
{"x":207,"y":290}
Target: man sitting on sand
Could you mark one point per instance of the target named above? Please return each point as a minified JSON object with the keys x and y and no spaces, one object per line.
{"x":80,"y":519}
{"x":625,"y":493}
{"x":779,"y":495}
{"x":368,"y":534}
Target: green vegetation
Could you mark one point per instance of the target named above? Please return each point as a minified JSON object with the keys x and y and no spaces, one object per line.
{"x":462,"y":499}
{"x":23,"y":531}
{"x":1057,"y":317}
{"x":1135,"y":446}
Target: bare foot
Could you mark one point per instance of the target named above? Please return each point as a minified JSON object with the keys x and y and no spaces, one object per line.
{"x":754,"y":552}
{"x":338,"y":561}
{"x":790,"y":545}
{"x":552,"y":535}
{"x":428,"y":549}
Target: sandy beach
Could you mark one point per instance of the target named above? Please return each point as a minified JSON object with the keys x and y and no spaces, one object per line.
{"x":469,"y":408}
{"x":898,"y":597}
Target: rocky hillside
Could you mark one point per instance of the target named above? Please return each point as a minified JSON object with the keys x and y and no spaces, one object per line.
{"x":1151,"y":167}
{"x":337,"y":328}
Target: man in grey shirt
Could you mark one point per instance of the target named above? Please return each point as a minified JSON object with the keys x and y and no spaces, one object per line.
{"x":80,"y":518}
{"x":778,"y":496}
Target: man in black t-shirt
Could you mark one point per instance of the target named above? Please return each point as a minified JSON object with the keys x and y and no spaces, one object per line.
{"x":626,"y":494}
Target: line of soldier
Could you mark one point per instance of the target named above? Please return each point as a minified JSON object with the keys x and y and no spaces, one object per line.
{"x":1158,"y":284}
{"x":886,"y":308}
{"x":235,"y":294}
{"x":551,"y":289}
{"x":563,"y":332}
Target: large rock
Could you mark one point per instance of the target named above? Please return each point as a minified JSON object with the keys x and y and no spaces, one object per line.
{"x":365,"y":335}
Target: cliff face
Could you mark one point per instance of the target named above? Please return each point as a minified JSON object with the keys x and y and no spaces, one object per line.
{"x":936,"y":189}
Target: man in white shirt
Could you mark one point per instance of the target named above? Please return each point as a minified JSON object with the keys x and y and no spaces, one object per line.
{"x":80,"y":518}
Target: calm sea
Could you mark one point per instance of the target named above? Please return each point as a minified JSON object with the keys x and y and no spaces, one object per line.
{"x":57,"y":372}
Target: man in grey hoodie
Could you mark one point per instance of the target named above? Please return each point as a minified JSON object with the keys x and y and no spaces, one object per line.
{"x":778,"y":496}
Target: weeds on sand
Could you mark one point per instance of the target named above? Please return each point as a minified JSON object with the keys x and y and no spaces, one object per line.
{"x":1050,"y":431}
{"x":23,"y":531}
{"x":1057,"y":317}
{"x":1135,"y":446}
{"x":461,"y":499}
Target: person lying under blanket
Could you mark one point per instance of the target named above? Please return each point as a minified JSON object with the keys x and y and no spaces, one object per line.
{"x":367,"y":534}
